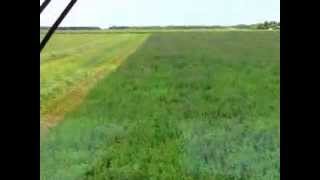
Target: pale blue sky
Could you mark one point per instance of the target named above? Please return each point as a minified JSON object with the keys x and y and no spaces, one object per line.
{"x":105,"y":13}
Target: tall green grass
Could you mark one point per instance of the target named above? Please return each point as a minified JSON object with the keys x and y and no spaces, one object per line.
{"x":190,"y":105}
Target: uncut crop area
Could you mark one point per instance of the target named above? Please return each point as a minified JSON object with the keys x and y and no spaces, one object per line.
{"x":165,"y":105}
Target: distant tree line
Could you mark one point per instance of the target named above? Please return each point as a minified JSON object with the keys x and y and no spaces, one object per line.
{"x":164,"y":27}
{"x":265,"y":25}
{"x":269,"y":25}
{"x":72,"y":28}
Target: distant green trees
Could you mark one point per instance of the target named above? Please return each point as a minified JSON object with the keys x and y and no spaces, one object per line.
{"x":274,"y":25}
{"x":269,"y":25}
{"x":73,"y":28}
{"x":166,"y":27}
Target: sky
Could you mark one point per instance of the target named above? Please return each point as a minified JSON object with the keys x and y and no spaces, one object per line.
{"x":106,"y":13}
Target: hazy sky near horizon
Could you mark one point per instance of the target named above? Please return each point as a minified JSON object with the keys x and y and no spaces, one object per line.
{"x":105,"y":13}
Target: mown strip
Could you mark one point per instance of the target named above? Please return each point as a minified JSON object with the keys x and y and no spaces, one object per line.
{"x":184,"y":106}
{"x":66,"y":80}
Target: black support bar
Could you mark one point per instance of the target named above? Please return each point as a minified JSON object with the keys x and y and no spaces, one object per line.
{"x":56,"y":24}
{"x":44,"y":5}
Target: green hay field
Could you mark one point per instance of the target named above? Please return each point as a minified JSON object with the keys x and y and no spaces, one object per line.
{"x":72,"y":64}
{"x":178,"y":105}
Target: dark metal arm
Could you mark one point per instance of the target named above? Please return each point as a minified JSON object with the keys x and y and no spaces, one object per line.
{"x":44,"y":5}
{"x":56,"y":24}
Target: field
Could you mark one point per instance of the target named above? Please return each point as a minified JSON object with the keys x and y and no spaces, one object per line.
{"x":71,"y":66}
{"x":162,"y":105}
